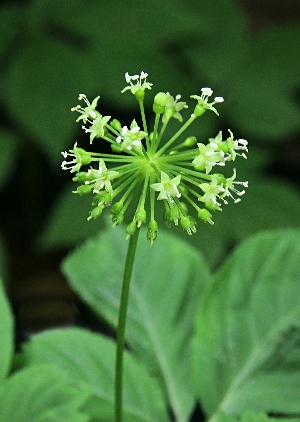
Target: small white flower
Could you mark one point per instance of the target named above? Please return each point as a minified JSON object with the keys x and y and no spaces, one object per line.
{"x":236,"y":145}
{"x":96,"y":129}
{"x":177,"y":106}
{"x":101,"y":178}
{"x":212,"y":192}
{"x":88,"y":112}
{"x":229,"y":146}
{"x":140,"y":84}
{"x":208,"y":157}
{"x":79,"y":158}
{"x":203,"y":100}
{"x":131,"y":138}
{"x":229,"y":186}
{"x":167,"y":188}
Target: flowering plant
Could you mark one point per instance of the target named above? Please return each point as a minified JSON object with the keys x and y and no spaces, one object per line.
{"x":144,"y":162}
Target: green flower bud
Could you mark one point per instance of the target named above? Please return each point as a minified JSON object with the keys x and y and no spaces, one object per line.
{"x":183,"y":208}
{"x":140,"y":95}
{"x":131,"y":228}
{"x":152,"y":231}
{"x":102,"y":197}
{"x":223,"y":146}
{"x":85,"y":157}
{"x":205,"y":215}
{"x":175,"y":214}
{"x":199,"y":110}
{"x":212,"y":207}
{"x":118,"y":218}
{"x":169,"y":112}
{"x":188,"y":223}
{"x":84,"y":189}
{"x":96,"y":212}
{"x":221,"y":179}
{"x":161,"y":99}
{"x":140,"y":217}
{"x":115,"y":148}
{"x":173,"y":152}
{"x":115,"y":124}
{"x":83,"y":177}
{"x":117,"y":208}
{"x":158,"y":109}
{"x":190,"y":141}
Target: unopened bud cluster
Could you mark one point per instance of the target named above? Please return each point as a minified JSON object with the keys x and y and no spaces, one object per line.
{"x":146,"y":166}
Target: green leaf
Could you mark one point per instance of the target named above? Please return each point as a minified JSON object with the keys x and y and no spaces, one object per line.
{"x":6,"y":334}
{"x":263,"y":100}
{"x":9,"y":146}
{"x":164,"y":293}
{"x":219,"y":44}
{"x":67,"y":223}
{"x":40,"y":394}
{"x":40,"y":96}
{"x":88,"y":359}
{"x":247,"y":345}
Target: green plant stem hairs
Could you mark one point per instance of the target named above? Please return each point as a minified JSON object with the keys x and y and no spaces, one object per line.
{"x":146,"y":166}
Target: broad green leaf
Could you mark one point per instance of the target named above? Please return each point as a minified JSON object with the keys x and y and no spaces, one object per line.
{"x":215,"y":53}
{"x":263,"y":98}
{"x":43,"y":84}
{"x":9,"y":147}
{"x":149,"y":23}
{"x":248,"y":330}
{"x":67,"y":223}
{"x":6,"y":334}
{"x":167,"y":280}
{"x":148,"y":46}
{"x":88,"y":359}
{"x":40,"y":394}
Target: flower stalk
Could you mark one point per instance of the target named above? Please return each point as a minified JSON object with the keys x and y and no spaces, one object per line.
{"x":122,"y":324}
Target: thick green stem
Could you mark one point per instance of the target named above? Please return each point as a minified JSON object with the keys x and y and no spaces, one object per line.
{"x":121,"y":325}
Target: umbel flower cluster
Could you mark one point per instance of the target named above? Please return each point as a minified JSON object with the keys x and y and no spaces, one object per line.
{"x":146,"y":166}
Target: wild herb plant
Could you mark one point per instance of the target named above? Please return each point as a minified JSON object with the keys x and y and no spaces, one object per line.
{"x":181,"y":173}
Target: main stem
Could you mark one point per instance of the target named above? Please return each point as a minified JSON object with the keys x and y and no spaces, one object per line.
{"x":121,"y":325}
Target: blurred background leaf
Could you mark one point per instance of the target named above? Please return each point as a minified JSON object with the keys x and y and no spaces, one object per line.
{"x":164,"y":294}
{"x":87,"y":361}
{"x":246,"y":355}
{"x":40,"y":394}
